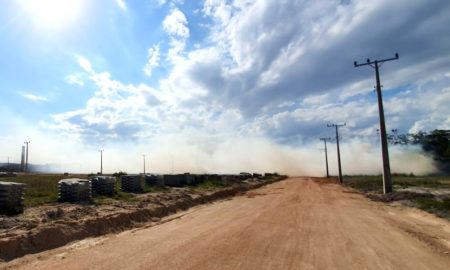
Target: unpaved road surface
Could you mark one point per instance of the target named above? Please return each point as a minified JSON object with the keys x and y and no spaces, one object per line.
{"x":299,"y":223}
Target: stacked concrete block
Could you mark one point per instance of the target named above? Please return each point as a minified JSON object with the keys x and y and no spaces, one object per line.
{"x":154,"y":180}
{"x":7,"y":174}
{"x":11,"y":197}
{"x":131,"y":183}
{"x":245,"y":176}
{"x":197,"y":179}
{"x":187,"y":179}
{"x":203,"y":178}
{"x":104,"y":185}
{"x":151,"y":180}
{"x":74,"y":190}
{"x":173,"y":180}
{"x":257,"y":175}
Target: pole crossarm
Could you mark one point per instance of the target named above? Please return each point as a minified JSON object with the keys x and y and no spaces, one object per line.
{"x":371,"y":63}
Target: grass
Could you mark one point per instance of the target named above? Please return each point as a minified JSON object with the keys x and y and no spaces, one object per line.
{"x":40,"y":189}
{"x":368,"y":183}
{"x":210,"y":184}
{"x":433,"y":204}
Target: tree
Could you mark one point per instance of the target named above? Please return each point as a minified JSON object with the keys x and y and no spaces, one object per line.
{"x":436,"y":143}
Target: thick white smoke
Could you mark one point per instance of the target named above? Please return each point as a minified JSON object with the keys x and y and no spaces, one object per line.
{"x":202,"y":153}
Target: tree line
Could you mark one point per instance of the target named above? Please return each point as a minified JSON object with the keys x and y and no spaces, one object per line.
{"x":436,"y":143}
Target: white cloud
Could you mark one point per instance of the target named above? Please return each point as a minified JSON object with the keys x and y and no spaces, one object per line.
{"x":153,"y":55}
{"x":34,"y":98}
{"x":122,"y":5}
{"x":176,"y":24}
{"x":84,"y":64}
{"x":74,"y":79}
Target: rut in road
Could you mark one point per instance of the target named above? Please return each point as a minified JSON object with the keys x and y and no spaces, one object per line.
{"x":298,"y":223}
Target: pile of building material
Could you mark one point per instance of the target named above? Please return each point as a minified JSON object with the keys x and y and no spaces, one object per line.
{"x":104,"y":185}
{"x":7,"y":174}
{"x":11,"y":197}
{"x":172,"y":180}
{"x":154,"y":180}
{"x":131,"y":183}
{"x":74,"y":190}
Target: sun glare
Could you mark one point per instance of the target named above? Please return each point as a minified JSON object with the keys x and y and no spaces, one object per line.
{"x":53,"y":13}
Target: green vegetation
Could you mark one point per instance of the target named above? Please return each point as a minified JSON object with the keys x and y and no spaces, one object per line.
{"x":439,"y":205}
{"x":40,"y":188}
{"x":371,"y":183}
{"x":434,"y":205}
{"x":209,"y":184}
{"x":119,"y":196}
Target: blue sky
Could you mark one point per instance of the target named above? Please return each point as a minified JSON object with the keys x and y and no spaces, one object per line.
{"x":163,"y":75}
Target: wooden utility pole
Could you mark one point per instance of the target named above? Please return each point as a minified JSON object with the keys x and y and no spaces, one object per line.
{"x":326,"y":154}
{"x":387,"y":181}
{"x":336,"y":126}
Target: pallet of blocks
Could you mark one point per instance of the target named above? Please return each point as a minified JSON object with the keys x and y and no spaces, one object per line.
{"x":11,"y":197}
{"x":131,"y":183}
{"x":104,"y":185}
{"x":74,"y":190}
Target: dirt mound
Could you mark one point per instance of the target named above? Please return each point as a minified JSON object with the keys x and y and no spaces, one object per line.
{"x":58,"y":225}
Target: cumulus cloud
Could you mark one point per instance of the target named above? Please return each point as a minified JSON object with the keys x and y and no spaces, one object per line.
{"x":176,"y":26}
{"x":176,"y":23}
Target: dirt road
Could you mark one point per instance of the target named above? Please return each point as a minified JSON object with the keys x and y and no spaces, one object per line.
{"x":294,"y":224}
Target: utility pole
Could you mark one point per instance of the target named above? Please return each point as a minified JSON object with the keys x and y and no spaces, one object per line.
{"x":144,"y":163}
{"x":336,"y":126}
{"x":26,"y":157}
{"x":326,"y":154}
{"x":387,"y":181}
{"x":101,"y":161}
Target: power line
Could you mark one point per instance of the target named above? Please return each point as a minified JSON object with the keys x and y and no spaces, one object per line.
{"x":336,"y":126}
{"x":326,"y":154}
{"x":387,"y":181}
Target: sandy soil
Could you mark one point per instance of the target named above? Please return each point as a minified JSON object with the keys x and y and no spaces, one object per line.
{"x":294,"y":224}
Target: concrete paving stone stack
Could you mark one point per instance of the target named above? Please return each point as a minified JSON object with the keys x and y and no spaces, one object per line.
{"x":173,"y":180}
{"x":74,"y":190}
{"x":151,"y":180}
{"x":186,"y":179}
{"x":257,"y":175}
{"x":197,"y":179}
{"x":11,"y":197}
{"x":131,"y":183}
{"x":245,"y":176}
{"x":201,"y":178}
{"x":104,"y":185}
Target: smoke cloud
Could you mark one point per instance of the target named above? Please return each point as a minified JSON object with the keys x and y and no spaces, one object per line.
{"x":204,"y":153}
